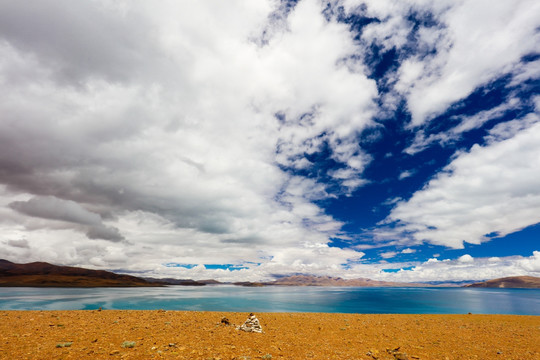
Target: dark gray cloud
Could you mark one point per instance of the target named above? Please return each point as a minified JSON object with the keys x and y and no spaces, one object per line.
{"x":52,"y":208}
{"x":77,"y":40}
{"x":19,"y":243}
{"x":104,"y":232}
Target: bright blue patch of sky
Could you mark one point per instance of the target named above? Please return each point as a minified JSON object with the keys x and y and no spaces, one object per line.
{"x":230,"y":267}
{"x":177,"y":265}
{"x":407,"y":268}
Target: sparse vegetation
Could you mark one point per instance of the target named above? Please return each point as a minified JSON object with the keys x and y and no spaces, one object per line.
{"x":64,"y":344}
{"x":128,"y":344}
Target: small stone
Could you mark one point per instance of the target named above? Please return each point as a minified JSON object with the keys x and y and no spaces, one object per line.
{"x":114,"y":352}
{"x":400,"y":356}
{"x":225,"y":321}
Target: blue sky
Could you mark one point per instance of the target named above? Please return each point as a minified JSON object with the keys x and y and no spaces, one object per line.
{"x":392,"y":140}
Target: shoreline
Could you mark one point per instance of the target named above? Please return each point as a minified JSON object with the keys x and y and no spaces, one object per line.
{"x":160,"y":334}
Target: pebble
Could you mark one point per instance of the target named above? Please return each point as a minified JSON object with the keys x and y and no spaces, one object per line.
{"x":401,"y":356}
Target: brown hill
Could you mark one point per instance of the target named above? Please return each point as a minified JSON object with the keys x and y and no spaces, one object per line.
{"x":510,"y":282}
{"x":42,"y":274}
{"x":309,"y":280}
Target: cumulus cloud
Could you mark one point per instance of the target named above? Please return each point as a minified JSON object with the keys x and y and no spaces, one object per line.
{"x":468,"y":55}
{"x":177,"y":128}
{"x":388,"y":254}
{"x":490,"y":189}
{"x":456,"y":46}
{"x":408,"y":251}
{"x":461,"y":269}
{"x":465,"y":259}
{"x":203,"y":133}
{"x":468,"y":123}
{"x":531,"y":264}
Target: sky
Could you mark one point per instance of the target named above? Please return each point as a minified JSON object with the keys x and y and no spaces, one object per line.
{"x":246,"y":140}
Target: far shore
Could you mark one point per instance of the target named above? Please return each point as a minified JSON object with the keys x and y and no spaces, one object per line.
{"x":160,"y":334}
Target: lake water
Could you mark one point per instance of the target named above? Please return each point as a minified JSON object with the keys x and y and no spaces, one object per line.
{"x":280,"y":299}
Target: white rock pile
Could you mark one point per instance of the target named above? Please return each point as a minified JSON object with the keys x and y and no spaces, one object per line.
{"x":251,"y":324}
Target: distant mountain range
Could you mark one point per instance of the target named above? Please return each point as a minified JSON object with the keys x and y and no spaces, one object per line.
{"x":309,"y":280}
{"x":509,"y":282}
{"x":42,"y":274}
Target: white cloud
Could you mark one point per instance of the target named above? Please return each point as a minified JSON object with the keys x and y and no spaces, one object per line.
{"x":509,"y":129}
{"x":465,"y":259}
{"x":475,"y":269}
{"x":408,"y":251}
{"x":388,"y":254}
{"x":476,"y":121}
{"x":405,"y":174}
{"x":462,"y":45}
{"x":481,"y":40}
{"x":490,"y":189}
{"x":531,"y":264}
{"x":166,"y":133}
{"x":157,"y":124}
{"x":468,"y":123}
{"x":526,"y":71}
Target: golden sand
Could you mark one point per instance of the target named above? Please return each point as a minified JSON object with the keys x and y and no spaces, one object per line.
{"x":123,"y":334}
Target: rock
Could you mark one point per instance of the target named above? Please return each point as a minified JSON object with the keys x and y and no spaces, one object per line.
{"x":225,"y":321}
{"x":251,"y":324}
{"x":400,"y":356}
{"x":397,"y":355}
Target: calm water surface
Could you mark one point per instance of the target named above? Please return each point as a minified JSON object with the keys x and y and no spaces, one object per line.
{"x":280,"y":299}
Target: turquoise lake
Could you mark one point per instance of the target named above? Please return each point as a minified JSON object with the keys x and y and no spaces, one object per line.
{"x":280,"y":299}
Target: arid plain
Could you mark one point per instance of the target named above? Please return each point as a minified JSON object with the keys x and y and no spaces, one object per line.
{"x":125,"y":334}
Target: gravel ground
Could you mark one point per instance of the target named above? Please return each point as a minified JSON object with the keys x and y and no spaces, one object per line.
{"x":125,"y":334}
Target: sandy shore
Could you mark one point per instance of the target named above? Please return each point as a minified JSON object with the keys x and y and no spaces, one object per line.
{"x":160,"y":334}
